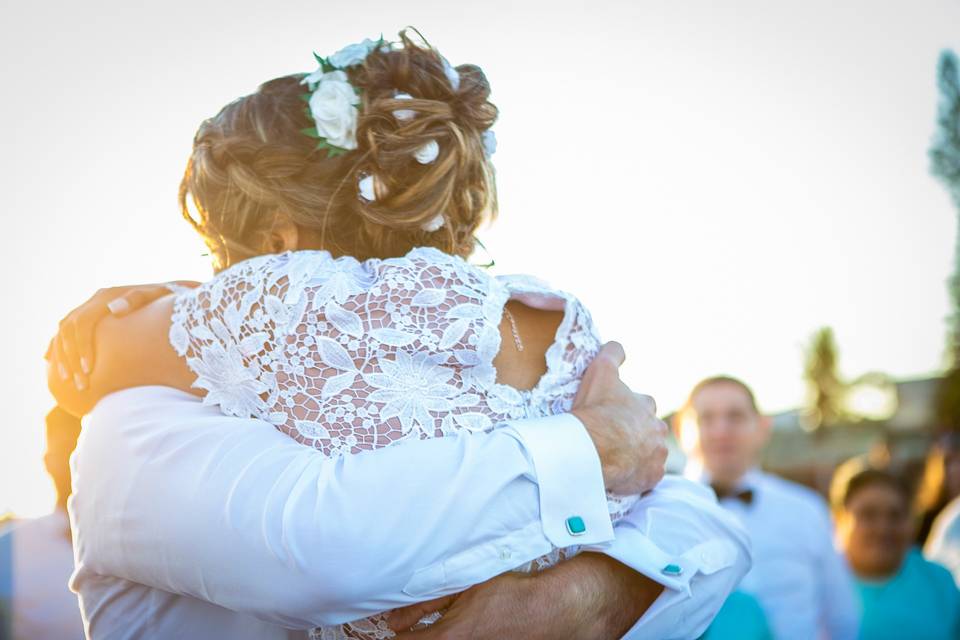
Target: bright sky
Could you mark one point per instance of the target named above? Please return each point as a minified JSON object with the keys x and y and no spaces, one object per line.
{"x":715,"y":180}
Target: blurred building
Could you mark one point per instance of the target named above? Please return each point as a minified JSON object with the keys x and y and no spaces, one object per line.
{"x":901,"y":438}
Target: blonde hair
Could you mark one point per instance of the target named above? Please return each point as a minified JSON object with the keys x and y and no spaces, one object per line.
{"x":932,"y":491}
{"x":251,"y":164}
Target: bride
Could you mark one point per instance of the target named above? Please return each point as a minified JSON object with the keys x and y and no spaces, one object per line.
{"x":340,"y":207}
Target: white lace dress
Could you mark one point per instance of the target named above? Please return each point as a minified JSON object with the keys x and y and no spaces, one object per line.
{"x":347,"y":356}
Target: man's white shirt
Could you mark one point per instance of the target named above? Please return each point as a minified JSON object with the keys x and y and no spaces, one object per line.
{"x":804,"y":586}
{"x":191,"y":524}
{"x":40,"y":561}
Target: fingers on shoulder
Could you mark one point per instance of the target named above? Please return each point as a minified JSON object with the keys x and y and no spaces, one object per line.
{"x":612,"y":354}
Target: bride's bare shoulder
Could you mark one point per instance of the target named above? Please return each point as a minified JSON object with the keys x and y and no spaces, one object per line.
{"x":536,"y":318}
{"x":526,"y":333}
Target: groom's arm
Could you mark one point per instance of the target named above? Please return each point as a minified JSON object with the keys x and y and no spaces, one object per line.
{"x":636,"y":586}
{"x":680,"y":537}
{"x":172,"y":494}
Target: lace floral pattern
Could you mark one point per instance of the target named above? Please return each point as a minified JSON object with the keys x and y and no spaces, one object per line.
{"x":346,"y":356}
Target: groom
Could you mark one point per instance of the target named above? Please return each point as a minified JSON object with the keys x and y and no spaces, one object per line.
{"x":192,"y":524}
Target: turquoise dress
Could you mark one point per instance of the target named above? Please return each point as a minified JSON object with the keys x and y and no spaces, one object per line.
{"x":740,"y":618}
{"x":920,"y":602}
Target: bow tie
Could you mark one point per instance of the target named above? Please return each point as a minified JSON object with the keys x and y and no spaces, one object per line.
{"x":743,"y":495}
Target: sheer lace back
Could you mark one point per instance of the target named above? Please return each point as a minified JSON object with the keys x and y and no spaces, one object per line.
{"x":346,"y":356}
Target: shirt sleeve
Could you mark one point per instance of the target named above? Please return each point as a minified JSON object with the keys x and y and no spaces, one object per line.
{"x":171,"y":494}
{"x":679,"y":536}
{"x":839,"y":604}
{"x":564,"y":495}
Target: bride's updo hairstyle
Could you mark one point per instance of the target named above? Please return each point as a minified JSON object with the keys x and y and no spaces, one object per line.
{"x":252,"y":164}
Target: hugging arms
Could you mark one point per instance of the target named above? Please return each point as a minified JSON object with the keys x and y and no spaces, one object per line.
{"x":185,"y":517}
{"x":192,"y":524}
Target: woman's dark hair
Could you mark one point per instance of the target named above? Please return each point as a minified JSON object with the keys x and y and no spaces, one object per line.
{"x":845,"y":488}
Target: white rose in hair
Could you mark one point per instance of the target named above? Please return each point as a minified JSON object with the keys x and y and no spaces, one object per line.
{"x":489,"y":140}
{"x":428,"y":152}
{"x":352,"y":54}
{"x":367,"y":187}
{"x":453,"y":76}
{"x":312,"y":79}
{"x":404,"y":115}
{"x":333,"y":109}
{"x":434,"y":223}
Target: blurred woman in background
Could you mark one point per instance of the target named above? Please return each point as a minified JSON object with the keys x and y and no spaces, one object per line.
{"x":902,"y":594}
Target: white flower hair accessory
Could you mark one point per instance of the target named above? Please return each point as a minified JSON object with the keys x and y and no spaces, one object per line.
{"x":334,"y":106}
{"x":367,"y":187}
{"x":404,"y":115}
{"x":489,"y":139}
{"x":428,"y":152}
{"x":453,"y":76}
{"x":353,"y":54}
{"x":434,"y":224}
{"x":332,"y":102}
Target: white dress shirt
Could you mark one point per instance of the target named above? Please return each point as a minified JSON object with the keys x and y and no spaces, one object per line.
{"x":943,"y":543}
{"x":190,"y":524}
{"x":802,"y":583}
{"x":41,"y":562}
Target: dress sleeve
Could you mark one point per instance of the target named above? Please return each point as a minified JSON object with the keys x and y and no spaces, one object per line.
{"x":226,"y":330}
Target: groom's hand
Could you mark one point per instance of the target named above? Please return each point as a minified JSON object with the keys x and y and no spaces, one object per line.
{"x":590,"y":596}
{"x":629,"y":438}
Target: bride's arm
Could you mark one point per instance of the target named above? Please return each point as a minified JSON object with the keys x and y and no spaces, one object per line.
{"x":128,"y":351}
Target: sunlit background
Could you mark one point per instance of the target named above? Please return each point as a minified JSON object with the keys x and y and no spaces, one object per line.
{"x":715,"y":180}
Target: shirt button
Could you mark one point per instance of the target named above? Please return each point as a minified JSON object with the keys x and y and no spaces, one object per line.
{"x":672,"y":570}
{"x":505,"y":554}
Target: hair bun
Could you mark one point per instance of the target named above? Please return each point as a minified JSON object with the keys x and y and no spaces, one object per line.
{"x":422,"y":168}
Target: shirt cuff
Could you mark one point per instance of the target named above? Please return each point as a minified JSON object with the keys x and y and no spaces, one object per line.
{"x":573,"y":500}
{"x":678,"y":536}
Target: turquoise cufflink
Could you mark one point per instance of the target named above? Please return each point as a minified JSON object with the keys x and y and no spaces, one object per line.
{"x":576,"y":526}
{"x":672,"y":570}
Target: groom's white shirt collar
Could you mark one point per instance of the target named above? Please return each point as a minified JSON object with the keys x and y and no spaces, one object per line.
{"x":751,"y":480}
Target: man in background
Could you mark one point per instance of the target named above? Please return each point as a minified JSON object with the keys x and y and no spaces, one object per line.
{"x":803,"y":585}
{"x":36,"y":556}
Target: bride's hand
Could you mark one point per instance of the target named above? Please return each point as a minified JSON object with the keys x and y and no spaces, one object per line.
{"x":71,"y":351}
{"x":629,"y":438}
